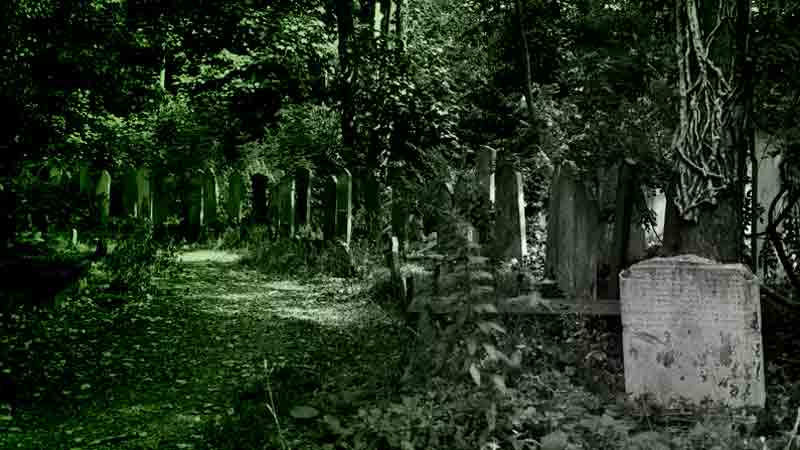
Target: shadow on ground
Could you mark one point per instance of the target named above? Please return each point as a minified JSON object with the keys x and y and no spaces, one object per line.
{"x":156,"y":373}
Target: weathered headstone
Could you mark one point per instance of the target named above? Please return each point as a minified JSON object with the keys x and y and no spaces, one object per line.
{"x":259,"y":183}
{"x":210,"y":198}
{"x":102,"y":193}
{"x":692,"y":331}
{"x":193,"y":206}
{"x":487,"y":165}
{"x":144,"y":198}
{"x":329,"y":202}
{"x":235,"y":196}
{"x":302,"y":205}
{"x":129,"y":194}
{"x":344,"y":206}
{"x":510,"y":204}
{"x":573,"y":232}
{"x":286,"y":207}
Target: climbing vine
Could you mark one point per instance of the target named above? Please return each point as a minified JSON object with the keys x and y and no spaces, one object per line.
{"x":710,"y":97}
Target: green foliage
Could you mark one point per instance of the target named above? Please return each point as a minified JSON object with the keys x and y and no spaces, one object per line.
{"x":136,"y":259}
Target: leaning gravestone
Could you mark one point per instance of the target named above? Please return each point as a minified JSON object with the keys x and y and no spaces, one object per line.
{"x":102,"y":193}
{"x":344,"y":206}
{"x":510,"y":204}
{"x":302,"y":196}
{"x":235,"y":196}
{"x":692,"y":331}
{"x":573,"y":233}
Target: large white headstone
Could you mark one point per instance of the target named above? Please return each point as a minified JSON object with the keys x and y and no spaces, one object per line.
{"x":692,"y":331}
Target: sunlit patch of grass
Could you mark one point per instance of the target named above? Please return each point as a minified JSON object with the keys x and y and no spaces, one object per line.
{"x":211,"y":256}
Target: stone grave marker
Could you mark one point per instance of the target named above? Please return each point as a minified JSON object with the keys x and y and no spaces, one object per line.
{"x":573,"y":233}
{"x":259,"y":183}
{"x":487,"y":162}
{"x":210,"y":199}
{"x":102,"y":193}
{"x":510,"y":204}
{"x":692,"y":331}
{"x":235,"y":196}
{"x":344,"y":206}
{"x":302,"y":204}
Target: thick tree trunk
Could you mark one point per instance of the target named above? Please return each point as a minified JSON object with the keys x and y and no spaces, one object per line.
{"x":525,"y":57}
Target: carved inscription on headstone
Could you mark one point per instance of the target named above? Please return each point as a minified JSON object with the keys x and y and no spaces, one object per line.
{"x":692,"y":331}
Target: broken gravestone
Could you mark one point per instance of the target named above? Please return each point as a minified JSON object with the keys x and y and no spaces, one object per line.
{"x":692,"y":332}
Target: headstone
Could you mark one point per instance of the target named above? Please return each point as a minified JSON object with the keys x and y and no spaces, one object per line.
{"x":302,"y":205}
{"x":286,"y":207}
{"x":344,"y":206}
{"x":103,"y":196}
{"x":235,"y":196}
{"x":210,"y":198}
{"x":573,"y":233}
{"x":329,"y":202}
{"x":487,"y":162}
{"x":692,"y":331}
{"x":259,"y":183}
{"x":510,"y":204}
{"x":129,"y":194}
{"x":193,"y":206}
{"x":144,"y":198}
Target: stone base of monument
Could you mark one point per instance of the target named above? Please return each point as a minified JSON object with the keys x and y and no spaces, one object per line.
{"x":692,"y":333}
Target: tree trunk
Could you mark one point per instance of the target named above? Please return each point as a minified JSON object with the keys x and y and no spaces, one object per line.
{"x":525,"y":57}
{"x":344,"y":25}
{"x":710,"y":144}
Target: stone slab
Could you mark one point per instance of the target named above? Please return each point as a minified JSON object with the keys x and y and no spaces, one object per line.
{"x":692,"y":331}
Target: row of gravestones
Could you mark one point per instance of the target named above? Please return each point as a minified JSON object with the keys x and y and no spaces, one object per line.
{"x":145,"y":197}
{"x":500,"y":185}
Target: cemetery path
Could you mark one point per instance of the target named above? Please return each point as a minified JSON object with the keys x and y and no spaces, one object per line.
{"x":159,"y":373}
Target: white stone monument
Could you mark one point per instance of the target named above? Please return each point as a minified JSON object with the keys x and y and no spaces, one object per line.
{"x":692,"y":331}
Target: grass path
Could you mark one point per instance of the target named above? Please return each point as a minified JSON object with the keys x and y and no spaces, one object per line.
{"x":155,"y":374}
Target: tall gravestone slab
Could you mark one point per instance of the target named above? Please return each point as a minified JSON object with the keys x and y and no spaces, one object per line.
{"x":259,"y":183}
{"x":573,"y":233}
{"x":102,"y":193}
{"x":329,"y":202}
{"x":235,"y":196}
{"x":487,"y":162}
{"x":510,"y":205}
{"x":286,"y":207}
{"x":692,"y":331}
{"x":344,"y":206}
{"x":210,"y":199}
{"x":144,"y":198}
{"x":302,"y":203}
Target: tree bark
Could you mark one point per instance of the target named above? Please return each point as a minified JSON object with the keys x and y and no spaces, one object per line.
{"x":526,"y":57}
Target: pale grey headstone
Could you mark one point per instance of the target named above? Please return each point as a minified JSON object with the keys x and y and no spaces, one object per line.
{"x":692,"y":331}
